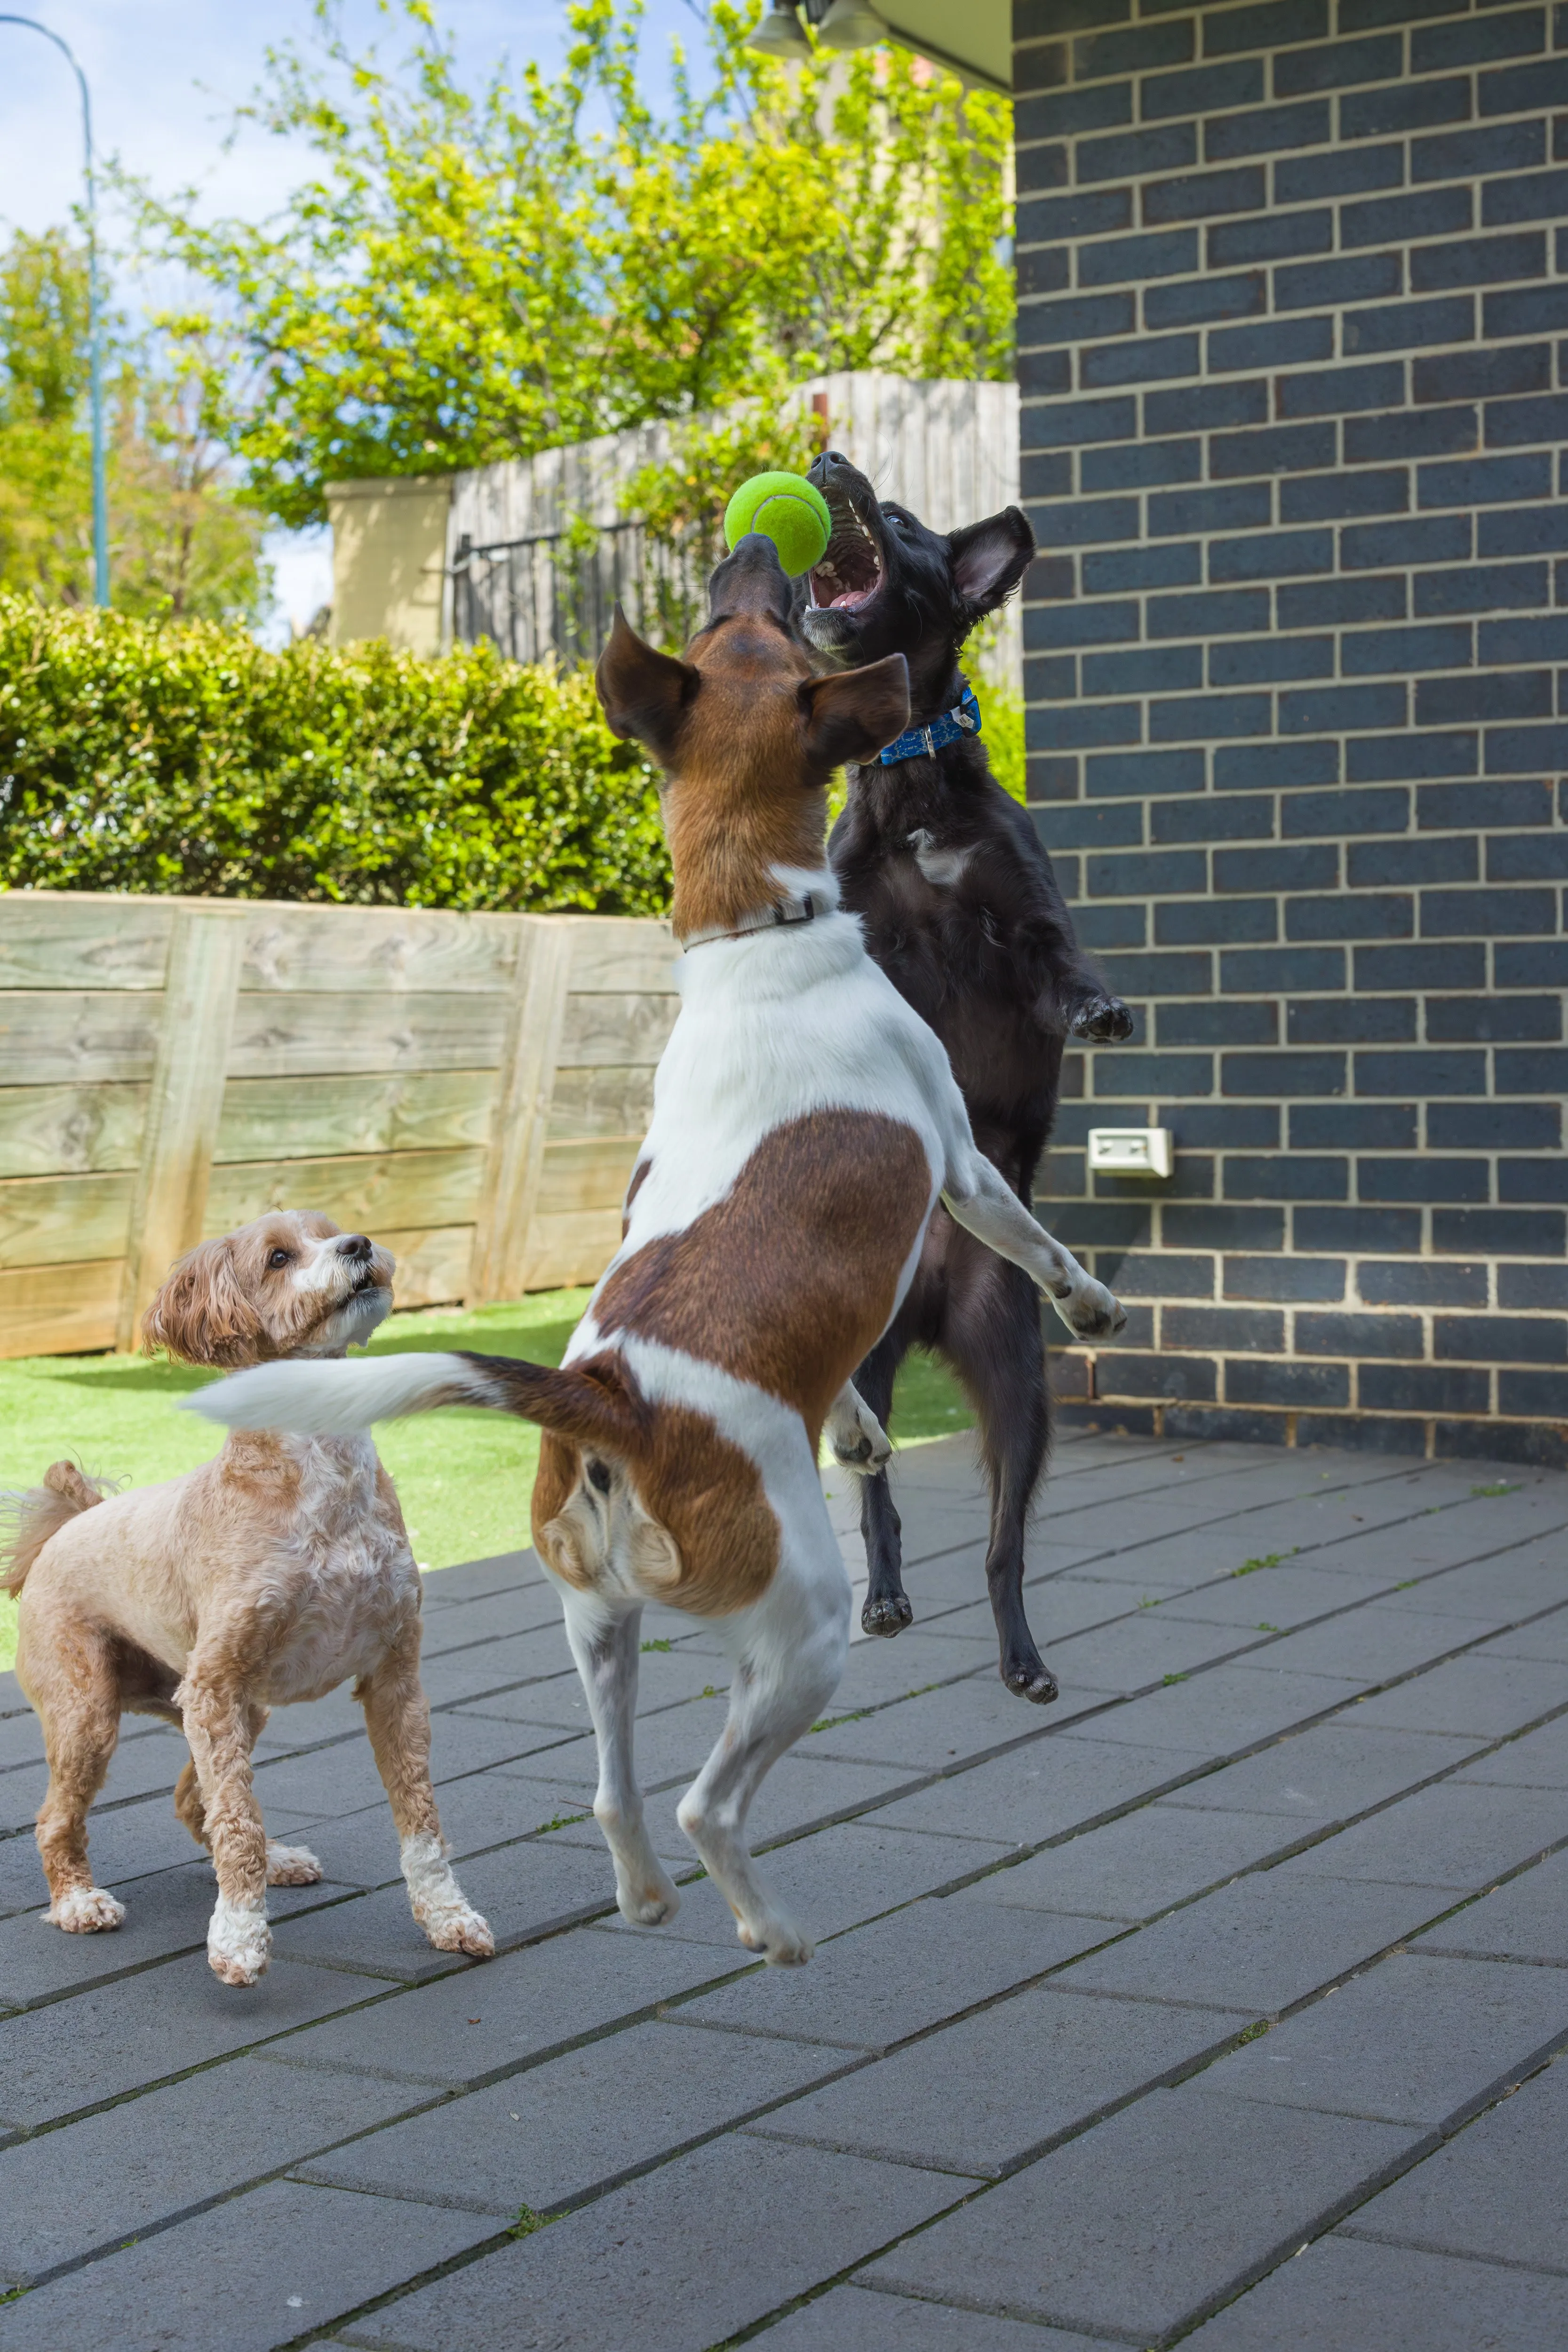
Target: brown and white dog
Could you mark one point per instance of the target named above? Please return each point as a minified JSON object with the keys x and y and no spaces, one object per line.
{"x":273,"y":1573}
{"x":805,"y":1121}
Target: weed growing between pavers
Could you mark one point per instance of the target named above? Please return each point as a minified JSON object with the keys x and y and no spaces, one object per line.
{"x":1268,"y":1559}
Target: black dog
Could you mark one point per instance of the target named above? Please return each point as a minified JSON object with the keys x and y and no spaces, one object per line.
{"x":962,"y":912}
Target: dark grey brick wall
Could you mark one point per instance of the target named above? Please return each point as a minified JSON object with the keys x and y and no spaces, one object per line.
{"x":1294,"y":296}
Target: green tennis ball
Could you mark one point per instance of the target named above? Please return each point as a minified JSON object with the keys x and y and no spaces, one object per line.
{"x":787,"y":508}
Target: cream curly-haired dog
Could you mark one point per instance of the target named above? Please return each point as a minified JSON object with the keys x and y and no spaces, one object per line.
{"x":273,"y":1574}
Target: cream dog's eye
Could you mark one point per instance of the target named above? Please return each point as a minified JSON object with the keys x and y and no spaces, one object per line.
{"x":599,"y":1477}
{"x":280,"y":1258}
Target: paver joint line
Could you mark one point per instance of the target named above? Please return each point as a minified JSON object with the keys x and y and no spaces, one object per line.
{"x":1495,"y":1691}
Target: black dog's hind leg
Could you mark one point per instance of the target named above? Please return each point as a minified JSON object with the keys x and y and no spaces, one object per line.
{"x":886,"y":1609}
{"x":992,"y":1337}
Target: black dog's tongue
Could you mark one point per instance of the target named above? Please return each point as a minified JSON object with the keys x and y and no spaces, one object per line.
{"x":849,"y":571}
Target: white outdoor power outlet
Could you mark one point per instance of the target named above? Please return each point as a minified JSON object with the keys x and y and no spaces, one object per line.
{"x":1131,"y":1151}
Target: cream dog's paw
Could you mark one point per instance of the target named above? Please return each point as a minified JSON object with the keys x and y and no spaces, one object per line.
{"x":85,"y":1911}
{"x":457,"y":1928}
{"x":291,"y":1865}
{"x":239,"y":1942}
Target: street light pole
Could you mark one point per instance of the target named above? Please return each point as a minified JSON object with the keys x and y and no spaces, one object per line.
{"x":94,"y":317}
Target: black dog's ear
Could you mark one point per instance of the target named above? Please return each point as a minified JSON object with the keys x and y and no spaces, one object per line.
{"x":645,"y":693}
{"x":989,"y":559}
{"x":852,"y":713}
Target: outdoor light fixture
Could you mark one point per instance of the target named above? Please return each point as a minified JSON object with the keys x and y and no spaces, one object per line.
{"x":851,"y":25}
{"x":1130,"y":1151}
{"x":779,"y":34}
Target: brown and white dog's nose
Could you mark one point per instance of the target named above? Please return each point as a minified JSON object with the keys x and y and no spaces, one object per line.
{"x":751,"y":580}
{"x":355,"y":1246}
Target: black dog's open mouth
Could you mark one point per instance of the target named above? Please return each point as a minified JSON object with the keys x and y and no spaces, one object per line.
{"x":850,"y":573}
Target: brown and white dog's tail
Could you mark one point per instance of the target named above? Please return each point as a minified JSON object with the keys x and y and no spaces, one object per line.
{"x":589,"y":1403}
{"x":37,"y":1513}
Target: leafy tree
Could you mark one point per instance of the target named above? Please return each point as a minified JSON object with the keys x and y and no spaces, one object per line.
{"x":475,"y":275}
{"x":46,"y":480}
{"x":179,"y":542}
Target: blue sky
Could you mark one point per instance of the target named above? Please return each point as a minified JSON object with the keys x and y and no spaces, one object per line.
{"x":166,"y":77}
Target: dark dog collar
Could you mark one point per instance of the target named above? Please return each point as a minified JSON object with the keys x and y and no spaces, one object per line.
{"x":963,"y":720}
{"x":780,"y":916}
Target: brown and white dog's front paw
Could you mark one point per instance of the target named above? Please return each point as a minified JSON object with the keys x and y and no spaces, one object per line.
{"x":649,"y":1899}
{"x":1091,"y":1311}
{"x":239,"y":1941}
{"x":85,"y":1911}
{"x":777,"y":1938}
{"x":291,"y":1865}
{"x":858,"y":1442}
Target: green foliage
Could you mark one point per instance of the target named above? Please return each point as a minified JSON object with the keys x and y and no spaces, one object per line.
{"x":143,"y":757}
{"x":179,"y":542}
{"x":1001,"y":727}
{"x":469,"y":276}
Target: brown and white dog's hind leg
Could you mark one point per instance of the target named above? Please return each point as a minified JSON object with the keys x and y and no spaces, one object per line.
{"x":605,"y":1646}
{"x":397,"y":1717}
{"x":979,"y":1198}
{"x":789,"y":1652}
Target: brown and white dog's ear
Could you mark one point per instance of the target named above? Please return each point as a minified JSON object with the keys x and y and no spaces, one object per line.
{"x":645,"y":693}
{"x":201,"y":1315}
{"x":851,"y":713}
{"x":990,"y":559}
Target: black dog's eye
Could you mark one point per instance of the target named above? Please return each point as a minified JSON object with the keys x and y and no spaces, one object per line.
{"x":280,"y":1258}
{"x":599,"y":1477}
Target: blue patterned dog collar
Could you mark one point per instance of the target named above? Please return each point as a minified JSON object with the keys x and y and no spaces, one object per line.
{"x":963,"y":719}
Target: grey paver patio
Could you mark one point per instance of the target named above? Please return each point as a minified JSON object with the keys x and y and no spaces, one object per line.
{"x":1256,"y":1941}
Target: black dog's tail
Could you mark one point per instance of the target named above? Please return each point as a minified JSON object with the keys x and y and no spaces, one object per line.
{"x":589,"y":1404}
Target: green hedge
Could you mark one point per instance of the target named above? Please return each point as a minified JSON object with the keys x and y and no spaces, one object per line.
{"x":141,"y":756}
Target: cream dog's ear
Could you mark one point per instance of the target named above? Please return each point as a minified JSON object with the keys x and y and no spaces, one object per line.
{"x":201,"y":1315}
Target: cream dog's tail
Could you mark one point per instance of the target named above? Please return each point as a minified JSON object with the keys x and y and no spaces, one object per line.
{"x":592,"y":1403}
{"x":39,"y":1512}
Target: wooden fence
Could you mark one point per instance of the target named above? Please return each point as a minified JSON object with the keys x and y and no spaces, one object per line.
{"x":948,"y":448}
{"x":469,"y":1089}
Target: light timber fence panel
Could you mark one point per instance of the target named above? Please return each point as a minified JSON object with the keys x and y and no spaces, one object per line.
{"x":471,"y":1089}
{"x":947,"y":448}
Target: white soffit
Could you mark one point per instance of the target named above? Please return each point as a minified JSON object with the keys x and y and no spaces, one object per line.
{"x":976,"y":37}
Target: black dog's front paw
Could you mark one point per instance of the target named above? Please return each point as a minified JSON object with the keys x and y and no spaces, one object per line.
{"x":886,"y":1615}
{"x":1103,"y":1019}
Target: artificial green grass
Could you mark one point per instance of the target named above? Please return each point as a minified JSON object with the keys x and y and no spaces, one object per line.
{"x":463,"y":1479}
